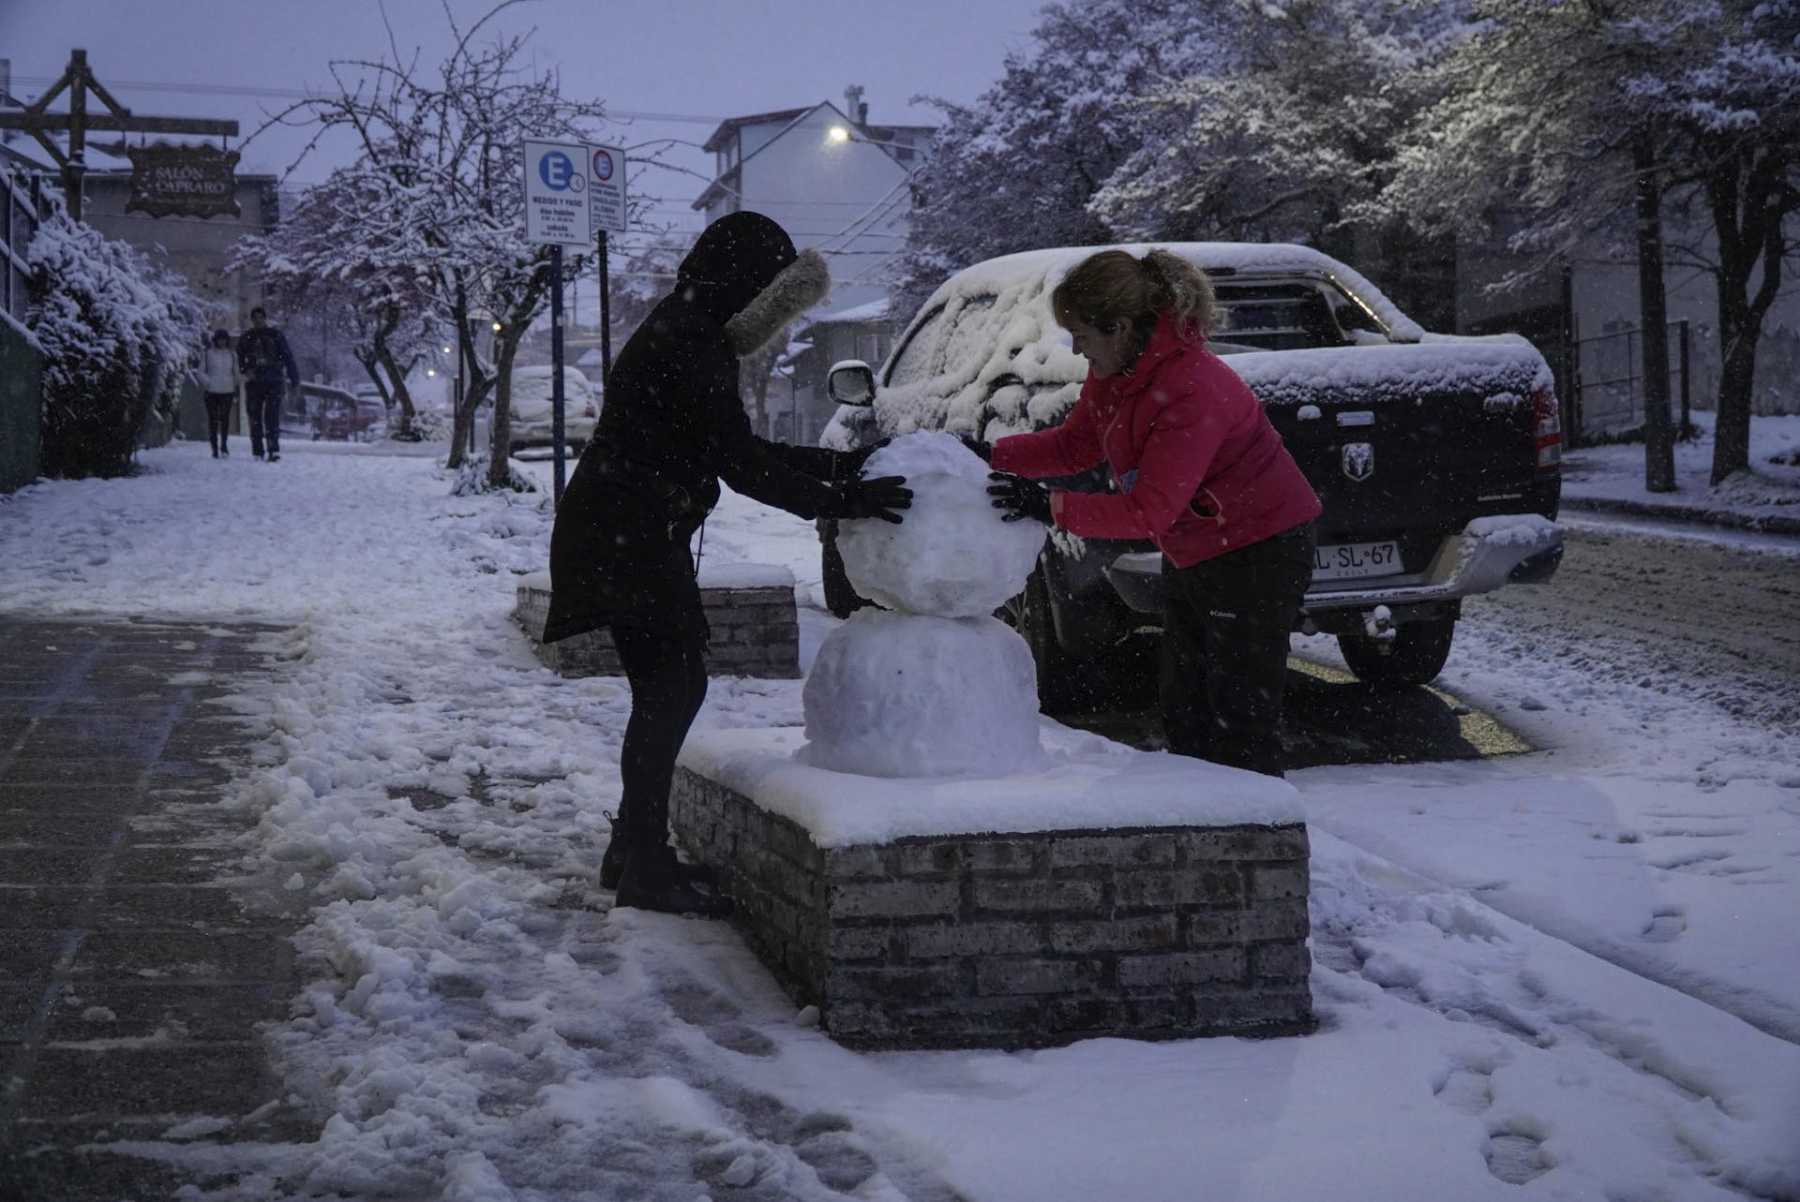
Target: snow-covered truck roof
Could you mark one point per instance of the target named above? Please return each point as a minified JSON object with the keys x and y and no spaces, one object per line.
{"x":1217,"y":258}
{"x":995,"y":362}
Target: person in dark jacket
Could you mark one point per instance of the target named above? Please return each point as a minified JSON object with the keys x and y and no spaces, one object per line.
{"x":673,"y":426}
{"x":264,"y":358}
{"x":1197,"y":469}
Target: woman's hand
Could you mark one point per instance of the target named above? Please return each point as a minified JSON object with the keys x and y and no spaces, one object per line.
{"x":877,"y":498}
{"x":1019,"y":497}
{"x":983,"y":449}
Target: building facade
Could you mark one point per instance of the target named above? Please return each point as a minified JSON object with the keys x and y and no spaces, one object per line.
{"x":1583,"y":314}
{"x":838,"y":185}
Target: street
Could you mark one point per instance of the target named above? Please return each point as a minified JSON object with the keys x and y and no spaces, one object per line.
{"x":1634,"y":603}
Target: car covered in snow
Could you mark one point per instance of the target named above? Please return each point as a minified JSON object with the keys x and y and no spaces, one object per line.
{"x":360,"y":416}
{"x":1437,"y":457}
{"x":531,"y":407}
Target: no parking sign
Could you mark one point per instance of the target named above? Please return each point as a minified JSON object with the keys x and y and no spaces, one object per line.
{"x":606,"y":189}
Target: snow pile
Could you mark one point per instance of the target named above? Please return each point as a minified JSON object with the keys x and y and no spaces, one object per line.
{"x":1078,"y":778}
{"x":953,"y":555}
{"x":895,"y":694}
{"x":939,"y":687}
{"x":1513,"y":529}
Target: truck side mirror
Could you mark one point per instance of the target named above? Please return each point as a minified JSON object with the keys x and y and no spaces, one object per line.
{"x":850,"y":382}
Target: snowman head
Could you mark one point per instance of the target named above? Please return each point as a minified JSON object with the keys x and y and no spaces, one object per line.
{"x":952,"y":556}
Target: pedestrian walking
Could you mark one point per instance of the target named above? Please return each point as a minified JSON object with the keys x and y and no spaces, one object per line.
{"x":1196,"y":468}
{"x":220,"y":380}
{"x":265,"y":360}
{"x":673,"y":426}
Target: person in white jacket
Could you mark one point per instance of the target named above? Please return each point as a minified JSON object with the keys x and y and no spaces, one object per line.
{"x":220,"y":379}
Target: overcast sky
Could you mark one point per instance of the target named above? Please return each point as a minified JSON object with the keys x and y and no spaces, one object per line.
{"x":685,"y":64}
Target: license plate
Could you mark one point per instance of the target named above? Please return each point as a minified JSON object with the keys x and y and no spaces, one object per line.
{"x":1352,"y":561}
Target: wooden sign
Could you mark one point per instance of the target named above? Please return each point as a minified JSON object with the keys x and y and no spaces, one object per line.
{"x":183,"y":181}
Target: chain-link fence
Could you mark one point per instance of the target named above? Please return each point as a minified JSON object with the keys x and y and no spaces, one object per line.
{"x":1608,"y":372}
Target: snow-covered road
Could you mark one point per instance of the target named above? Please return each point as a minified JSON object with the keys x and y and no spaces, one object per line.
{"x":1533,"y":974}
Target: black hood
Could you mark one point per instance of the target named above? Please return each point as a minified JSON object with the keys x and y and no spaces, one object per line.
{"x":736,"y":257}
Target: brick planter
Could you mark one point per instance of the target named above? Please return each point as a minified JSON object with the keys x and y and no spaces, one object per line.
{"x":749,"y":608}
{"x":1012,"y":939}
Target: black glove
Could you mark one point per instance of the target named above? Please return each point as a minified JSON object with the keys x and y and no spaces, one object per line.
{"x":876,"y":498}
{"x":861,"y":455}
{"x":983,"y":449}
{"x":1021,"y":498}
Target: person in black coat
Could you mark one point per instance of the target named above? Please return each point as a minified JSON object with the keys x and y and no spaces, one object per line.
{"x":672,"y":426}
{"x":264,"y":358}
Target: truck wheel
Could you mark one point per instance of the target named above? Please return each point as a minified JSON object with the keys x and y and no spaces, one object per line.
{"x":1415,"y":657}
{"x":840,"y":598}
{"x":1057,"y":670}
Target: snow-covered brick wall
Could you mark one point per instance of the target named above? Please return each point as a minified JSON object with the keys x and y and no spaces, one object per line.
{"x":1017,"y":939}
{"x":750,"y":613}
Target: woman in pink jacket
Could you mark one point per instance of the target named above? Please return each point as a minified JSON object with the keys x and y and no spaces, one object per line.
{"x":1197,"y":469}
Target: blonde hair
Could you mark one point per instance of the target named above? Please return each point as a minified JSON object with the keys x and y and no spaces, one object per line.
{"x":1114,"y":286}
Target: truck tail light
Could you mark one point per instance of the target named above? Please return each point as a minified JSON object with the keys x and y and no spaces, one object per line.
{"x":1546,"y":419}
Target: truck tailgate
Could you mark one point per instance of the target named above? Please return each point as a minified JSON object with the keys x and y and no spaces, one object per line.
{"x":1406,"y":441}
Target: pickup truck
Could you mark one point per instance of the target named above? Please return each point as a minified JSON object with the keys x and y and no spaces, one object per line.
{"x":1437,"y":457}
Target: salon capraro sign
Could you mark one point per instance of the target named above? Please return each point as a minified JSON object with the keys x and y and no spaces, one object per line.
{"x":183,"y":181}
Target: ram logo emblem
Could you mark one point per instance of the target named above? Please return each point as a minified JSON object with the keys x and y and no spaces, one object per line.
{"x":1359,"y":460}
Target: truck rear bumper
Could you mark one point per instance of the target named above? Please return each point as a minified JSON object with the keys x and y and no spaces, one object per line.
{"x":1485,"y":555}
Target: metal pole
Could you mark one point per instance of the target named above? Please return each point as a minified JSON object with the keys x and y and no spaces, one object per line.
{"x":556,"y":367}
{"x":1687,"y":414}
{"x":605,"y":321}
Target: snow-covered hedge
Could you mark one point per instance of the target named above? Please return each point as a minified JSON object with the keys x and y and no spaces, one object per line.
{"x":117,"y":333}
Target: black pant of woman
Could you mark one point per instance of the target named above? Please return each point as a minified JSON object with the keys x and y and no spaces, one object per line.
{"x":666,"y":668}
{"x":218,"y":420}
{"x":1226,"y":622}
{"x":665,"y":665}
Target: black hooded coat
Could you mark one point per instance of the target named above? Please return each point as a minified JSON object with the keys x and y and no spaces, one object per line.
{"x":673,"y":425}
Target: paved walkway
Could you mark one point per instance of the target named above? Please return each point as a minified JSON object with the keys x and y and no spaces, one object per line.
{"x":135,"y":958}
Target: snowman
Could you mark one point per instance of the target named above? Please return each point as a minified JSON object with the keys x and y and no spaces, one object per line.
{"x":934,"y":684}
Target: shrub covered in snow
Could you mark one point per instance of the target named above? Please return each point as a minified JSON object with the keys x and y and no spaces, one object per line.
{"x":117,"y":333}
{"x":475,"y":476}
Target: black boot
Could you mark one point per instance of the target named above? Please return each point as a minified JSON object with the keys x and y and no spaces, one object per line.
{"x":653,"y":879}
{"x":612,"y":864}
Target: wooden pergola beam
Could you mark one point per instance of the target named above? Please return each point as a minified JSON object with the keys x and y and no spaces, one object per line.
{"x":78,"y":80}
{"x":51,"y":123}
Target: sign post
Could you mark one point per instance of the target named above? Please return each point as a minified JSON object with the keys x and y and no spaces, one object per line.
{"x":606,"y":213}
{"x":556,"y":211}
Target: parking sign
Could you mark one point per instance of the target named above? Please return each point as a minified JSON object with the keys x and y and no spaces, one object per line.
{"x":606,"y":189}
{"x":556,"y":187}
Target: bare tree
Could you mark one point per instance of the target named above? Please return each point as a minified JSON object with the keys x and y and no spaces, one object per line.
{"x":440,"y":152}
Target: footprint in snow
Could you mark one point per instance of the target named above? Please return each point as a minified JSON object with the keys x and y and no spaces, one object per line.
{"x":1515,"y":1152}
{"x":1467,"y":1084}
{"x":717,"y":1016}
{"x":1666,"y":925}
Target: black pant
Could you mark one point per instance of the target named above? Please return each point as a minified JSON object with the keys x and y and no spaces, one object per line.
{"x":262,"y":402}
{"x":1226,"y":622}
{"x":665,"y":664}
{"x":218,"y":418}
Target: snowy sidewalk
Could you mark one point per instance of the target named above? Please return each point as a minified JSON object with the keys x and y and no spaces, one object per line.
{"x":475,"y":1025}
{"x":135,"y":975}
{"x":1610,"y":479}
